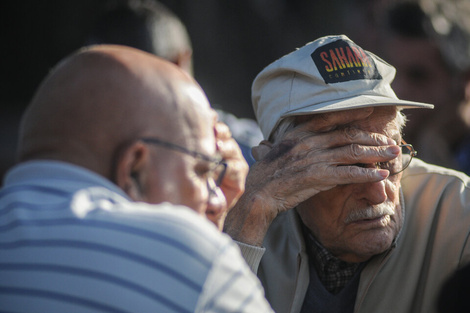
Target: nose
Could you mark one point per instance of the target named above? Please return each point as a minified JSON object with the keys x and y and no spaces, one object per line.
{"x":373,"y":193}
{"x":216,"y":206}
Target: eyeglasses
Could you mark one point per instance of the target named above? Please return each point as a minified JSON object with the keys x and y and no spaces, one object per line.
{"x":217,"y":168}
{"x":396,"y":165}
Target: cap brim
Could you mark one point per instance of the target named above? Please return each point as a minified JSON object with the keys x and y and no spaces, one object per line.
{"x":363,"y":101}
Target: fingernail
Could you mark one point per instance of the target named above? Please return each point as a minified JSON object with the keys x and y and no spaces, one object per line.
{"x":383,"y":173}
{"x":393,"y":150}
{"x":390,"y":141}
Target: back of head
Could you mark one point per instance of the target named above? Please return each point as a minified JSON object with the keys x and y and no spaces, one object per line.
{"x":101,"y":98}
{"x":146,"y":25}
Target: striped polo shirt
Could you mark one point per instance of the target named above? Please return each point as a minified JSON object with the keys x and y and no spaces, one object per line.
{"x":71,"y":241}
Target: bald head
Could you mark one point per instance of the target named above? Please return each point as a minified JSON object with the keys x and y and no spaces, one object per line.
{"x":105,"y":97}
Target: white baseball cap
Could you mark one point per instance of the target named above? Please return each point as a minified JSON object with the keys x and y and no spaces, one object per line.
{"x":329,"y":74}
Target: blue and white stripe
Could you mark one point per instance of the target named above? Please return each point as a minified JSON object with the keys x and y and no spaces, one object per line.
{"x":70,"y":241}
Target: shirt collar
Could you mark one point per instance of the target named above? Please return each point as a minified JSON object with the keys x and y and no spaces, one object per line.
{"x":44,"y":172}
{"x":333,"y":272}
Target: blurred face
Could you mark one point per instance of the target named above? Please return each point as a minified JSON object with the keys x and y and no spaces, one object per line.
{"x":185,"y":175}
{"x":356,"y":221}
{"x":421,"y":76}
{"x":183,"y":179}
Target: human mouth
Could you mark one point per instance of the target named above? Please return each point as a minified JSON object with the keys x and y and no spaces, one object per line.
{"x":373,"y":214}
{"x":379,"y":221}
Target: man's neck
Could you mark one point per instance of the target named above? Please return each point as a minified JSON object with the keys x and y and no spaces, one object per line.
{"x":333,"y":272}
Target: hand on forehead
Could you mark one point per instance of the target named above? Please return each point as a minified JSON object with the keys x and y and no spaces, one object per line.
{"x":376,"y":120}
{"x":325,"y":122}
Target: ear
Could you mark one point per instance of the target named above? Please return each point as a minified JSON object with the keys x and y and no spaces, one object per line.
{"x":132,"y":169}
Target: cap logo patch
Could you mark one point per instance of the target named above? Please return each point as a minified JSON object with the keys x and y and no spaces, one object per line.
{"x":342,"y":61}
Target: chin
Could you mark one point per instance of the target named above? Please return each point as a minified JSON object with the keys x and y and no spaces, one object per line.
{"x":363,"y":246}
{"x":374,"y":244}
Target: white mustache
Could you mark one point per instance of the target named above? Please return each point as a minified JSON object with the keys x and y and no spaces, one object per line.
{"x":371,"y":212}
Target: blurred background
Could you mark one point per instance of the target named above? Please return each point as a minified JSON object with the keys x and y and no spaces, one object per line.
{"x":232,"y":41}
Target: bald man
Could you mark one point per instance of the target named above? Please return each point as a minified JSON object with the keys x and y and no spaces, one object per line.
{"x":122,"y":165}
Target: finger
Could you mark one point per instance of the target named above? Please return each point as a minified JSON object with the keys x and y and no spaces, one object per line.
{"x":354,"y":153}
{"x":233,"y":182}
{"x":222,"y":131}
{"x":351,"y":135}
{"x":327,"y":121}
{"x":325,"y":168}
{"x":237,"y":167}
{"x":226,"y":144}
{"x":236,"y":171}
{"x":229,"y":148}
{"x":339,"y":137}
{"x":356,"y":175}
{"x":260,"y":151}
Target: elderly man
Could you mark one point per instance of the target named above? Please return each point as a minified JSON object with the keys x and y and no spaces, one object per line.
{"x":110,"y":126}
{"x":334,"y":217}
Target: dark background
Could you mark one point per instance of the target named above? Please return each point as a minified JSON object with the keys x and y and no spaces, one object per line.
{"x":232,"y":41}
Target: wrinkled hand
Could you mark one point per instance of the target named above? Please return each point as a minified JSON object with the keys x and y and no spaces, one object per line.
{"x":296,"y":170}
{"x":311,"y":158}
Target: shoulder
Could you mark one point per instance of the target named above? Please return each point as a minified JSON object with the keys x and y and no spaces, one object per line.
{"x":433,"y":193}
{"x":426,"y":185}
{"x":420,"y":172}
{"x":179,"y":224}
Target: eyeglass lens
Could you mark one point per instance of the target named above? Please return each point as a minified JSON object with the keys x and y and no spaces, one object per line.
{"x":408,"y":153}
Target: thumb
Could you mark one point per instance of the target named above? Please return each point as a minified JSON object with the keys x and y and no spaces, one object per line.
{"x":261,"y":150}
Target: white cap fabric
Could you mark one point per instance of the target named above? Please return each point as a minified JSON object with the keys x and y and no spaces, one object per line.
{"x":329,"y":74}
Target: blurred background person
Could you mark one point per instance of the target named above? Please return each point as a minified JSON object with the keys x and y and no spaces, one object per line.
{"x":427,"y":72}
{"x":147,"y":25}
{"x":150,"y":26}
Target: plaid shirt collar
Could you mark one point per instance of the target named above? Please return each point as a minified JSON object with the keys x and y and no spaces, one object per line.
{"x":333,"y":273}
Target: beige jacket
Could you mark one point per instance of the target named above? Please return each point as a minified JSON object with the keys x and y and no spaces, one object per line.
{"x":406,"y":279}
